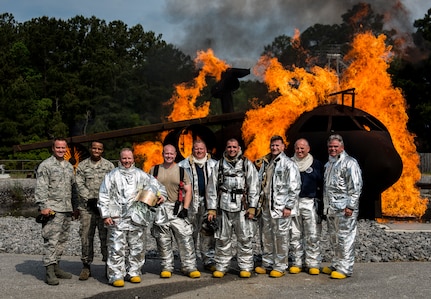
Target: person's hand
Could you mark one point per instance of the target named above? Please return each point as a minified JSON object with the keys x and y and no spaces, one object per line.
{"x":183,"y":213}
{"x":108,"y":221}
{"x":46,"y":211}
{"x":161,"y":199}
{"x":250,"y":213}
{"x":348,"y":212}
{"x":212,"y":215}
{"x":286,"y":212}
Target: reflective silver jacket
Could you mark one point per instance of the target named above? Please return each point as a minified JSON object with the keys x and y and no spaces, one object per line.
{"x":119,"y":190}
{"x":227,"y":186}
{"x":342,"y":184}
{"x":189,"y":166}
{"x":89,"y":177}
{"x":285,"y":184}
{"x":55,"y":186}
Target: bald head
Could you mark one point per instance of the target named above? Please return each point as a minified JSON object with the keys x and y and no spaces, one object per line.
{"x":302,"y":148}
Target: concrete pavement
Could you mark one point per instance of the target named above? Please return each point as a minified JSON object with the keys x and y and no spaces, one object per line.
{"x":22,"y":276}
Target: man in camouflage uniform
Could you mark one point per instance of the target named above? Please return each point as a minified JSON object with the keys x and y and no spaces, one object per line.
{"x":54,"y":193}
{"x":89,"y":176}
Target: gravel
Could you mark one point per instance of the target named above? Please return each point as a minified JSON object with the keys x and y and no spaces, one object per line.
{"x":22,"y":235}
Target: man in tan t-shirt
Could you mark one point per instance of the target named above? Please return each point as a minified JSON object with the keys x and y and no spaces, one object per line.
{"x":171,"y":217}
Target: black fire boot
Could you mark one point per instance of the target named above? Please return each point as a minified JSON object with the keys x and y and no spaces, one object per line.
{"x":85,"y":272}
{"x":60,"y":273}
{"x":50,"y":277}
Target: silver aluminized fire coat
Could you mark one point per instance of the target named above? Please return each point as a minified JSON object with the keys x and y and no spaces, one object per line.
{"x":342,"y":188}
{"x":227,"y":199}
{"x":198,"y":209}
{"x":283,"y":192}
{"x":117,"y":195}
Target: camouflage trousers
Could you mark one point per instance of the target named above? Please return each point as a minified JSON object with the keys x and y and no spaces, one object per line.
{"x":55,"y":234}
{"x":89,"y":222}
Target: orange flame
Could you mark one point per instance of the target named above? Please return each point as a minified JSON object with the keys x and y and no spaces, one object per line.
{"x":184,"y":107}
{"x":148,"y":153}
{"x":186,"y":94}
{"x":274,"y":119}
{"x":376,"y":95}
{"x":302,"y":91}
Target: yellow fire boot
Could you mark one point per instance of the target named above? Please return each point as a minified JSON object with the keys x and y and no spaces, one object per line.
{"x":337,"y":275}
{"x":218,"y":274}
{"x":165,"y":274}
{"x":313,"y":271}
{"x":118,"y":283}
{"x":260,"y":270}
{"x":244,"y":274}
{"x":294,"y":270}
{"x":194,"y":274}
{"x":327,"y":270}
{"x":135,"y":279}
{"x":276,"y":273}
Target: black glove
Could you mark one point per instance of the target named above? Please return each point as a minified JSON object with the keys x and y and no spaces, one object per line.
{"x":183,"y":213}
{"x":92,"y":205}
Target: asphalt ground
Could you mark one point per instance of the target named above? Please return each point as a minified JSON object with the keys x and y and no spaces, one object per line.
{"x":22,"y":276}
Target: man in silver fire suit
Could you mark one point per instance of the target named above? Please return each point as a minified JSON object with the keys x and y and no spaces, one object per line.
{"x":55,"y":194}
{"x":199,"y":166}
{"x":89,"y":175}
{"x":341,"y":191}
{"x":305,"y":236}
{"x":232,"y":197}
{"x":126,"y":238}
{"x":172,"y":217}
{"x":280,"y":183}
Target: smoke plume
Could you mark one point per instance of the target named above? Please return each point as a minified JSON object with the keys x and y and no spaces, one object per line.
{"x":238,"y":30}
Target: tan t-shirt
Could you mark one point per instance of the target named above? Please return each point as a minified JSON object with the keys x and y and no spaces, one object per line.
{"x":170,"y":178}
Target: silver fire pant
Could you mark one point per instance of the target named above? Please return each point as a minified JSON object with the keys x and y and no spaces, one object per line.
{"x":304,"y":238}
{"x":342,"y":235}
{"x":55,"y":234}
{"x":126,"y":252}
{"x":182,"y":231}
{"x":244,"y":229}
{"x":89,"y":222}
{"x":204,"y":244}
{"x":275,"y":234}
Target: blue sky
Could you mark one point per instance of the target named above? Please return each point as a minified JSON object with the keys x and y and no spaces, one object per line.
{"x":237,"y":30}
{"x":149,"y":13}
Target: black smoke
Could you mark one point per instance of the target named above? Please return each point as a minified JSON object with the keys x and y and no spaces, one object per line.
{"x":238,"y":30}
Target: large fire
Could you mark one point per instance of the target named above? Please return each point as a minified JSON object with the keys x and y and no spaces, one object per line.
{"x":184,"y":107}
{"x":302,"y":90}
{"x":367,"y":72}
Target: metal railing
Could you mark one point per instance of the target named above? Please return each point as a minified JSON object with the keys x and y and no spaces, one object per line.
{"x":19,"y":166}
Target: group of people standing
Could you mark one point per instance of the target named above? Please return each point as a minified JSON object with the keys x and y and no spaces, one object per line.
{"x":201,"y":203}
